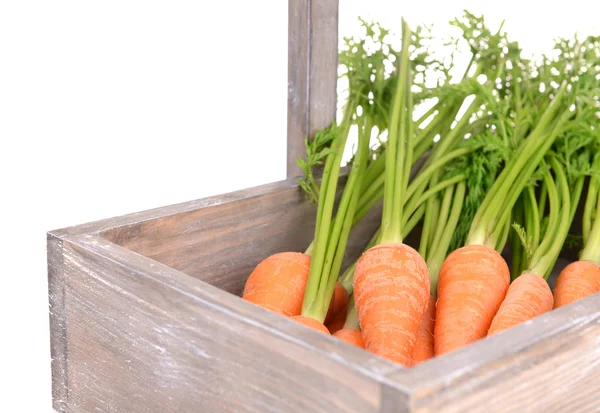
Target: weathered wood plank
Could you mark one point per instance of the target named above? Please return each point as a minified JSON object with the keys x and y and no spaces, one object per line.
{"x":135,"y":218}
{"x":58,"y":323}
{"x":298,"y":82}
{"x":323,"y":63}
{"x":143,"y":337}
{"x":312,"y":72}
{"x":550,"y":364}
{"x":221,"y":245}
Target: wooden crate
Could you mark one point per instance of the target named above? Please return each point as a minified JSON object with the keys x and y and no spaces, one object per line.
{"x":146,"y":316}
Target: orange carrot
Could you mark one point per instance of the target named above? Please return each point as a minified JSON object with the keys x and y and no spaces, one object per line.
{"x":338,"y":321}
{"x":582,"y":278}
{"x":311,"y":322}
{"x":278,"y":283}
{"x":350,"y":336}
{"x":527,"y":297}
{"x":391,"y":289}
{"x":577,"y":280}
{"x":434,"y":251}
{"x":472,"y":284}
{"x":338,"y":304}
{"x":473,"y":280}
{"x":529,"y":294}
{"x":424,"y":347}
{"x":391,"y":281}
{"x":350,"y":331}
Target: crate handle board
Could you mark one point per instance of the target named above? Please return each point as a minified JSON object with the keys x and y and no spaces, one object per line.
{"x":312,"y":73}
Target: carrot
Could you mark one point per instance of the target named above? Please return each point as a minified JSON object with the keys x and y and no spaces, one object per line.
{"x":338,"y":304}
{"x":474,"y":279}
{"x":350,"y":331}
{"x":350,"y":336}
{"x":582,"y":278}
{"x":528,"y":296}
{"x":424,"y":347}
{"x":576,"y":281}
{"x":336,"y":315}
{"x":391,"y":281}
{"x":338,"y":321}
{"x":435,"y":242}
{"x":278,"y":283}
{"x":472,"y":284}
{"x":327,"y":146}
{"x":391,"y":287}
{"x":331,"y":235}
{"x":311,"y":322}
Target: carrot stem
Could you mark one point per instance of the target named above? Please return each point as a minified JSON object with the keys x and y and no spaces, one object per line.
{"x":309,"y":249}
{"x":590,"y":205}
{"x":517,"y":253}
{"x":553,"y":218}
{"x":591,"y":250}
{"x":420,"y":182}
{"x":534,"y":229}
{"x":443,"y":216}
{"x":408,"y":137}
{"x":348,"y":275}
{"x":391,"y":226}
{"x":576,"y":196}
{"x":332,"y":235}
{"x":412,"y":206}
{"x":343,"y":224}
{"x":426,"y":115}
{"x":411,"y":219}
{"x":430,"y":208}
{"x":412,"y":222}
{"x":542,"y":202}
{"x":546,"y":255}
{"x":495,"y":210}
{"x":440,"y":248}
{"x":503,"y":237}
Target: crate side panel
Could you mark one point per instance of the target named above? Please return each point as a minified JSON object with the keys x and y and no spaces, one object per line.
{"x":137,"y":344}
{"x":549,"y":364}
{"x":121,"y":224}
{"x":58,"y":323}
{"x":222,"y":244}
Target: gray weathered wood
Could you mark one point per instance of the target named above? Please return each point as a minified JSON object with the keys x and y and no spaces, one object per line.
{"x":207,"y":243}
{"x":120,"y":317}
{"x":143,"y":337}
{"x":550,"y":364}
{"x":58,"y":322}
{"x":312,"y":72}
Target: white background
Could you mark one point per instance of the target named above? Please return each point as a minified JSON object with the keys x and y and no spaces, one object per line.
{"x":114,"y":107}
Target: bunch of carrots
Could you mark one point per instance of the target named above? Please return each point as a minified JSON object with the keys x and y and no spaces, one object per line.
{"x":502,"y":153}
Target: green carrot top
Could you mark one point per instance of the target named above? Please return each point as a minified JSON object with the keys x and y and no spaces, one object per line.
{"x":399,"y":150}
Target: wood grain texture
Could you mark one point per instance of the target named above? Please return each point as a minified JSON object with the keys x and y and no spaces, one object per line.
{"x":551,"y":364}
{"x":208,"y":243}
{"x":130,"y":333}
{"x":312,"y":72}
{"x":58,"y":322}
{"x":323,"y":73}
{"x":298,"y":82}
{"x":131,"y":220}
{"x":146,"y":338}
